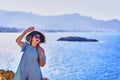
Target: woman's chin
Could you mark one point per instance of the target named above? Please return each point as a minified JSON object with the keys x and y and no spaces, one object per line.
{"x":37,"y":42}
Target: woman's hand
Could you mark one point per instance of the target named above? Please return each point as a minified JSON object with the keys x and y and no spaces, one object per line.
{"x":29,"y":29}
{"x":19,"y":38}
{"x":40,"y":49}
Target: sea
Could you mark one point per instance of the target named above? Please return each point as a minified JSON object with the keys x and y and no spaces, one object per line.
{"x":67,"y":60}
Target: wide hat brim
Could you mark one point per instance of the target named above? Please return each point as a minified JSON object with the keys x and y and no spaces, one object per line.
{"x":31,"y":34}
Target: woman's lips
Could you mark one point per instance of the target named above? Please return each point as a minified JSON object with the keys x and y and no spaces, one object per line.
{"x":37,"y":40}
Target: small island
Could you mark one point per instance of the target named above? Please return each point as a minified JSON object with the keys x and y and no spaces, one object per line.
{"x":78,"y":39}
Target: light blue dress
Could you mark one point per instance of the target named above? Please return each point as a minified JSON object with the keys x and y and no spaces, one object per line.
{"x":29,"y":67}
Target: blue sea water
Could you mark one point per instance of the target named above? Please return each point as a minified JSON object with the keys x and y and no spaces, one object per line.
{"x":70,"y":60}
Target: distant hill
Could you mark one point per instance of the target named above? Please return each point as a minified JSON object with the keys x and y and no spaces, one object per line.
{"x":67,"y":22}
{"x":8,"y":29}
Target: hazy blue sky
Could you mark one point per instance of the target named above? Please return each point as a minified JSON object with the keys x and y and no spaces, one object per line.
{"x":99,"y":9}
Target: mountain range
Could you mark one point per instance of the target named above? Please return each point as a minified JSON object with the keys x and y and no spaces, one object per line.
{"x":66,"y":22}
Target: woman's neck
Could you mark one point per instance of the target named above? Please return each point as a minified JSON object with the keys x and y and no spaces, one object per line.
{"x":34,"y":45}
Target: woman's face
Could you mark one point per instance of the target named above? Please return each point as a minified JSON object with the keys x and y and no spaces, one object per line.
{"x":36,"y":39}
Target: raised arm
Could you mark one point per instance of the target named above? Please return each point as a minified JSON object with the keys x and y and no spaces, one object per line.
{"x":19,"y":38}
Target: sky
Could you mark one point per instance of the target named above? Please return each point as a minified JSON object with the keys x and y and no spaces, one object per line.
{"x":98,"y":9}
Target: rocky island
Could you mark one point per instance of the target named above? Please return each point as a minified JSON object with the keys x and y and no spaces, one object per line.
{"x":78,"y":39}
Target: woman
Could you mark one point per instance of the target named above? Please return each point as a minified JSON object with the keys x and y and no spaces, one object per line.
{"x":33,"y":55}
